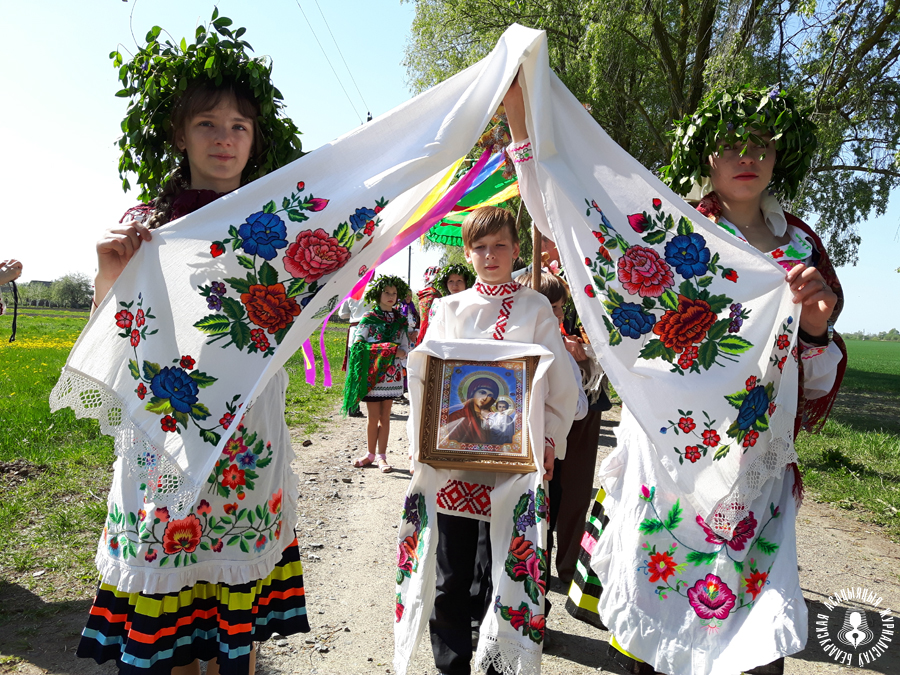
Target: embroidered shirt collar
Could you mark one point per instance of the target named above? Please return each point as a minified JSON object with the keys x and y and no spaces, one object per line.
{"x":498,"y":290}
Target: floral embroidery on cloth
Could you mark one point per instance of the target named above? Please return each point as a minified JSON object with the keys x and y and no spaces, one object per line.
{"x":409,"y":550}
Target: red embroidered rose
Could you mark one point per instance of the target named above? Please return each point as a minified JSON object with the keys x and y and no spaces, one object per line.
{"x":123,"y":319}
{"x":638,"y":222}
{"x":232,"y":477}
{"x":182,"y":536}
{"x":135,"y":338}
{"x":685,"y":326}
{"x":313,"y":255}
{"x":141,"y":391}
{"x":731,"y":275}
{"x":203,"y":508}
{"x":642,"y":272}
{"x":589,"y":290}
{"x":275,"y":502}
{"x":661,"y":566}
{"x":216,"y":249}
{"x":711,"y":438}
{"x":139,"y":319}
{"x":187,"y":362}
{"x":168,"y":423}
{"x":316,"y":204}
{"x":782,"y":341}
{"x":751,"y":383}
{"x":301,"y":185}
{"x":692,"y":453}
{"x":657,"y":203}
{"x":687,"y":424}
{"x":750,"y":438}
{"x":269,"y":307}
{"x":587,"y":262}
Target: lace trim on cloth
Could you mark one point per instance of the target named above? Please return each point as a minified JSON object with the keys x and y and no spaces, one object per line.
{"x":735,"y":507}
{"x":507,"y":657}
{"x":166,"y":484}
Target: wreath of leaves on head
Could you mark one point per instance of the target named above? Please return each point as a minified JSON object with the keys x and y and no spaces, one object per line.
{"x":157,"y":75}
{"x":376,"y":288}
{"x":440,"y":282}
{"x":732,"y":116}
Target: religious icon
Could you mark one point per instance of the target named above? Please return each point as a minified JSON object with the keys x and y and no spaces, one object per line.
{"x":475,"y":414}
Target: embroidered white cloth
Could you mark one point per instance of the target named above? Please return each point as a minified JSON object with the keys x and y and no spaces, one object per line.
{"x":237,"y":286}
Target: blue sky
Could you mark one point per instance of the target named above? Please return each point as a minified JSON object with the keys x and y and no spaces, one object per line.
{"x":59,"y":186}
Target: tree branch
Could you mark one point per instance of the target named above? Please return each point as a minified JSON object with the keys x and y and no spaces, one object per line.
{"x":847,"y":167}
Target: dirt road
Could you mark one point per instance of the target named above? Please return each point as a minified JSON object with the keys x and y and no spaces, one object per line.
{"x":347,"y":530}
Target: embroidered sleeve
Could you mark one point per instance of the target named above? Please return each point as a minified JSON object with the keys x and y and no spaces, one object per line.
{"x":819,"y":368}
{"x":520,"y":152}
{"x":529,"y":188}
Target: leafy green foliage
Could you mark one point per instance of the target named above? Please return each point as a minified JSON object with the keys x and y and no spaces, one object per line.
{"x":161,"y":70}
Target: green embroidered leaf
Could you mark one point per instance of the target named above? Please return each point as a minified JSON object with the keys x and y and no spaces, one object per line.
{"x":670,"y":223}
{"x":738,"y":567}
{"x":226,"y":520}
{"x":193,"y":558}
{"x":770,"y":390}
{"x":721,"y":452}
{"x":249,"y":535}
{"x":761,"y":423}
{"x":233,"y":309}
{"x":212,"y":521}
{"x":655,"y":237}
{"x":218,"y":529}
{"x":766,"y":546}
{"x":614,"y":297}
{"x":164,"y":561}
{"x":655,"y":349}
{"x":669,"y":300}
{"x":615,"y":337}
{"x":132,"y":519}
{"x":213,"y":438}
{"x":281,"y":332}
{"x":263,"y":463}
{"x":199,"y":411}
{"x":734,"y":344}
{"x":214,"y":324}
{"x":251,"y":474}
{"x":221,"y":489}
{"x":344,"y":235}
{"x":297,"y":216}
{"x":685,"y":226}
{"x":707,"y":354}
{"x":202,"y":380}
{"x":649,"y":303}
{"x":699,"y":558}
{"x":651,"y":526}
{"x":240,"y":334}
{"x":267,"y":275}
{"x":533,"y":590}
{"x":245,"y":261}
{"x":688,"y":290}
{"x":703,"y":282}
{"x":177,"y":560}
{"x":134,"y":369}
{"x":132,"y":549}
{"x":250,"y":516}
{"x":160,"y":406}
{"x":674,"y":516}
{"x":259,"y":511}
{"x":238,"y":284}
{"x":270,"y":207}
{"x":296,"y":287}
{"x":244,"y":547}
{"x":151,"y":370}
{"x":233,"y":540}
{"x":737,"y":398}
{"x":182,"y":418}
{"x":718,"y":302}
{"x":719,"y":328}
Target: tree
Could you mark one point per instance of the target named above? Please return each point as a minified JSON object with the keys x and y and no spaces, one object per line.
{"x":72,"y":290}
{"x":637,"y":65}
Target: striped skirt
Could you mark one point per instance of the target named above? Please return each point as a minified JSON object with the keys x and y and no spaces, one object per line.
{"x":584,"y":593}
{"x":154,"y":633}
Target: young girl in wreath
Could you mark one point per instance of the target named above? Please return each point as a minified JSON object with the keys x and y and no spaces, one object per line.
{"x":449,"y":280}
{"x":204,"y":587}
{"x":375,"y":367}
{"x":677,"y":595}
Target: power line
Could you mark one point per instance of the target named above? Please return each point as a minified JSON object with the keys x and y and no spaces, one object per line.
{"x":343,"y":59}
{"x":329,"y":61}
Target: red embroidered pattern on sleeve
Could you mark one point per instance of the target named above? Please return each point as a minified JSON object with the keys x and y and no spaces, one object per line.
{"x":549,"y":441}
{"x":520,"y":153}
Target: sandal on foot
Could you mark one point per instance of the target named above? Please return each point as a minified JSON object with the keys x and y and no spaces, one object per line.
{"x":383,"y":464}
{"x":364,"y":461}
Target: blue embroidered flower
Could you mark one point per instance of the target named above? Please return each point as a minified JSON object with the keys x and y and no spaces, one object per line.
{"x":753,"y":407}
{"x":529,"y":518}
{"x":177,"y":386}
{"x":263,"y":233}
{"x":411,"y":508}
{"x":246,"y":460}
{"x":362,"y":216}
{"x":631,"y":319}
{"x":214,"y":301}
{"x":218,"y":288}
{"x":688,"y":254}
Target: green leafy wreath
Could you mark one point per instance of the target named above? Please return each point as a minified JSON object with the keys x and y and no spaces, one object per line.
{"x":376,"y":288}
{"x":158,"y":73}
{"x":732,"y":116}
{"x":443,"y":276}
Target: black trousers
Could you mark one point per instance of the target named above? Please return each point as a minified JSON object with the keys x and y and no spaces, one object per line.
{"x":463,"y":563}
